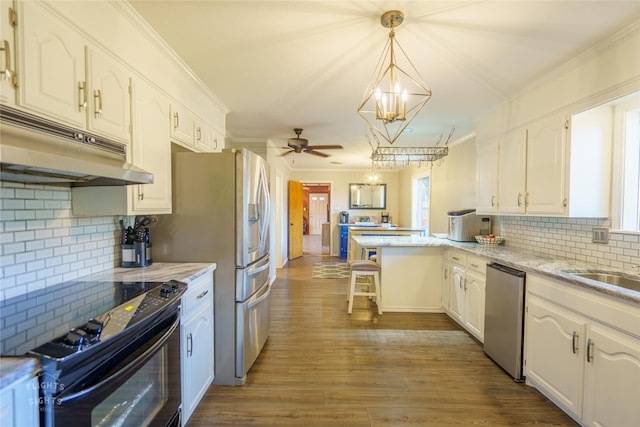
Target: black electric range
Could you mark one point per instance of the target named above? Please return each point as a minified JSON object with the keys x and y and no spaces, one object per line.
{"x":60,"y":313}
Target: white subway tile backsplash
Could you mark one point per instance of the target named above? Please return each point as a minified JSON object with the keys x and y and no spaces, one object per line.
{"x":43,"y":244}
{"x":570,"y":238}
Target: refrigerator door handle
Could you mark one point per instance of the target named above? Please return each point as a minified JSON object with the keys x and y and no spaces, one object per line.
{"x":258,"y":298}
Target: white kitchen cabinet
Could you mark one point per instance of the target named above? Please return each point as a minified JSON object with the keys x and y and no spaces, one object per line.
{"x":19,"y":403}
{"x":197,"y":337}
{"x":474,"y":295}
{"x":207,"y":138}
{"x":512,"y":176}
{"x":546,"y":165}
{"x":555,"y":347}
{"x":151,"y":151}
{"x":446,"y":280}
{"x":63,"y":78}
{"x":583,"y":352}
{"x":553,"y":166}
{"x":191,"y":132}
{"x":612,"y":378}
{"x":7,"y":53}
{"x":487,"y":175}
{"x":183,"y":125}
{"x":467,"y":292}
{"x":109,"y":94}
{"x":52,"y":65}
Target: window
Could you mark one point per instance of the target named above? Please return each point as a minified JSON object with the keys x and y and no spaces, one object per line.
{"x":421,"y":201}
{"x":626,"y":194}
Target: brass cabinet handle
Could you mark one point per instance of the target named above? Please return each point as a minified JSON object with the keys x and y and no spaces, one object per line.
{"x":493,"y":201}
{"x":97,"y":103}
{"x":7,"y":73}
{"x":574,"y":341}
{"x":589,"y":346}
{"x":198,"y":134}
{"x":82,"y":96}
{"x":519,"y":202}
{"x":176,"y":121}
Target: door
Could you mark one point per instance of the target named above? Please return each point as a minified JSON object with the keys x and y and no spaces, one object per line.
{"x":7,"y":53}
{"x":546,"y":160}
{"x":151,"y":150}
{"x":487,"y":177}
{"x":318,"y":203}
{"x":456,"y":299}
{"x":295,"y":219}
{"x":252,"y":328}
{"x":254,"y":208}
{"x":52,"y":80}
{"x":612,"y":378}
{"x":555,"y":353}
{"x":512,"y":158}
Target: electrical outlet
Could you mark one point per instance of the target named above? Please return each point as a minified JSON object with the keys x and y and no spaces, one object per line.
{"x":600,"y":235}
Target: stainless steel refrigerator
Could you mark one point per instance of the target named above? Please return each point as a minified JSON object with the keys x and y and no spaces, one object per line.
{"x":220,"y":214}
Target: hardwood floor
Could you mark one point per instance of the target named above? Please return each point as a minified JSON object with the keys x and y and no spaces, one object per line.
{"x":324,"y":367}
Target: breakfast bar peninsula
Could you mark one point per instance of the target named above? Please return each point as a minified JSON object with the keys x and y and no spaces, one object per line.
{"x":411,"y":271}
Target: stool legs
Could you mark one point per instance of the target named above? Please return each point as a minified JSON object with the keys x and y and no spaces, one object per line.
{"x":353,"y":293}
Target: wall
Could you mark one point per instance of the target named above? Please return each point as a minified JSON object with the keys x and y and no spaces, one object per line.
{"x":42,"y":244}
{"x":453,"y":185}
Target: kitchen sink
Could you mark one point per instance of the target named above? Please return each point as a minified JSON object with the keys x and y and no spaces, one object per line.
{"x":612,"y":278}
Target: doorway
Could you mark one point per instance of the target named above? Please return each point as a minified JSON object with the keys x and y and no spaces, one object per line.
{"x":316,"y":218}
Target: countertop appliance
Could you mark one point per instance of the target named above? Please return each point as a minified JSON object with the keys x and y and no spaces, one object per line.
{"x":464,"y":225}
{"x":504,"y":318}
{"x":221,"y":213}
{"x":120,"y":362}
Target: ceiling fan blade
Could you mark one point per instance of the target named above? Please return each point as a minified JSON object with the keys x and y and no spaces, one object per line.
{"x":287,"y":153}
{"x":326,"y":147}
{"x":315,"y":153}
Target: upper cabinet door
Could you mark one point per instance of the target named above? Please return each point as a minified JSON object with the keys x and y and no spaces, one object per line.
{"x":52,"y":65}
{"x":487,"y":177}
{"x":151,"y":149}
{"x":513,"y":164}
{"x":7,"y":54}
{"x":109,"y":109}
{"x":546,"y":166}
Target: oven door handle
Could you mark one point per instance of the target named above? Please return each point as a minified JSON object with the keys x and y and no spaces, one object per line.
{"x":134,"y":365}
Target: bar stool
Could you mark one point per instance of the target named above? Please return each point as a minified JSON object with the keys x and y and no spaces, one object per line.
{"x":367,"y":269}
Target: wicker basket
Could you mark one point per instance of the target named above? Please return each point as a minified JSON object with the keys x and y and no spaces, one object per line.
{"x":489,"y":241}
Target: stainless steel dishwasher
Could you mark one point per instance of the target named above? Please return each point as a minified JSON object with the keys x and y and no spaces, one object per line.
{"x":504,"y":318}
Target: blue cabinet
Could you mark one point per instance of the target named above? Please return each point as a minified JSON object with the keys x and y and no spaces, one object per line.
{"x":344,"y":241}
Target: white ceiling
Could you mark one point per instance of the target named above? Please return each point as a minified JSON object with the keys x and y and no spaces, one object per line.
{"x":283,"y":64}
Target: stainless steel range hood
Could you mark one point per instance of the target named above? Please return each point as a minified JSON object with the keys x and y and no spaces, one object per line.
{"x":38,"y":151}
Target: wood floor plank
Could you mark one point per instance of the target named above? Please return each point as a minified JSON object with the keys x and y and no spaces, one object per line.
{"x":324,"y":367}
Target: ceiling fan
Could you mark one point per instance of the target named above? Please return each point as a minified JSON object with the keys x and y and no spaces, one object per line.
{"x":301,"y":145}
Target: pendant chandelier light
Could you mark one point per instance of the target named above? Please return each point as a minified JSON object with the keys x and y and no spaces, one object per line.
{"x":372,"y":178}
{"x":397,"y":93}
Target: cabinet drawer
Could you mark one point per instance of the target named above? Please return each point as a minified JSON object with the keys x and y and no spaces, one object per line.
{"x":458,"y":257}
{"x":199,"y":293}
{"x":476,"y":263}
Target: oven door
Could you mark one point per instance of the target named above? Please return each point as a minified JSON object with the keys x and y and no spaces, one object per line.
{"x":141,"y":385}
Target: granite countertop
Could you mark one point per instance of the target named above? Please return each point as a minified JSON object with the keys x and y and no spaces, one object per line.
{"x":555,"y":268}
{"x":158,"y":271}
{"x":13,"y":369}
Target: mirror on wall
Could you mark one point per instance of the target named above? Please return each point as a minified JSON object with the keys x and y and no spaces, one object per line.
{"x":363,"y":196}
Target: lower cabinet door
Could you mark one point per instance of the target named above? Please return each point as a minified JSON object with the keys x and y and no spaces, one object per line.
{"x":456,"y":299}
{"x":555,"y":353}
{"x":197,"y":358}
{"x":612,"y":378}
{"x":474,"y":304}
